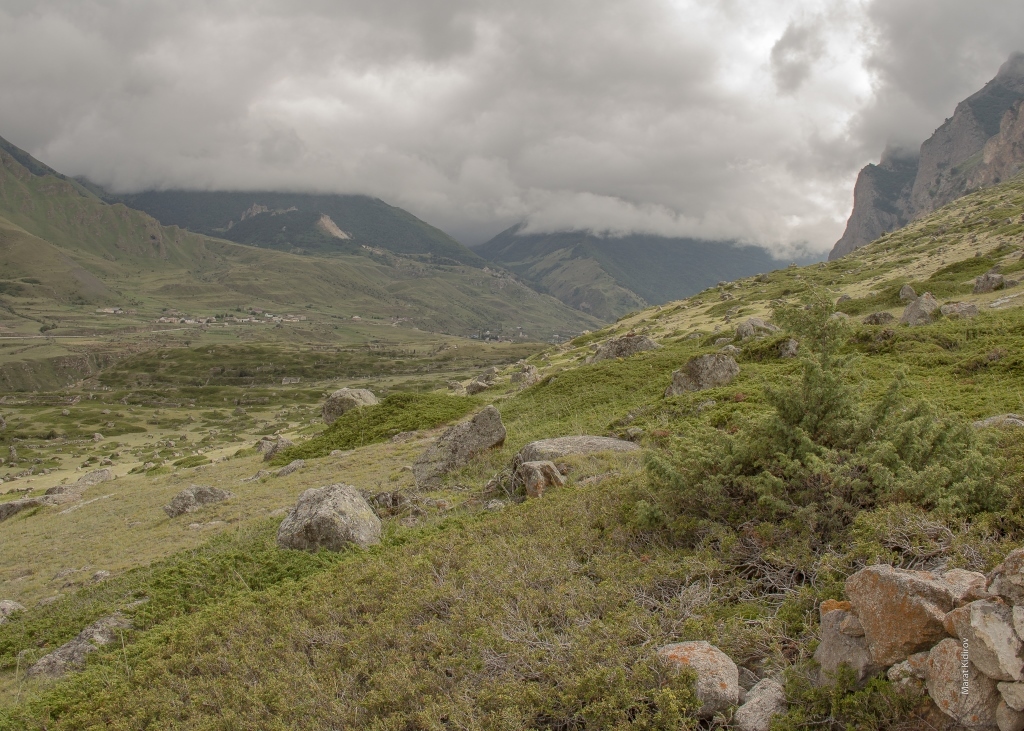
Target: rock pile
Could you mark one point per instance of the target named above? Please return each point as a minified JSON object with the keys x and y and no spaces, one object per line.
{"x":346,"y":399}
{"x":623,"y":347}
{"x":944,"y":632}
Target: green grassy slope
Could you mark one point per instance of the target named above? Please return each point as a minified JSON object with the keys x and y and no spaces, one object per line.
{"x":609,"y":276}
{"x":546,"y":614}
{"x":368,"y":221}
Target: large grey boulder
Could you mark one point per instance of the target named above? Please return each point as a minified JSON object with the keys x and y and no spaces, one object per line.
{"x":623,"y":347}
{"x":330,"y":517}
{"x":9,"y":607}
{"x":763,"y":702}
{"x":921,"y":311}
{"x":907,"y":293}
{"x":989,"y":282}
{"x":718,"y":684}
{"x":959,"y":310}
{"x":72,"y":655}
{"x":987,"y":627}
{"x":843,"y":643}
{"x":949,"y":668}
{"x":549,"y":449}
{"x":269,"y":447}
{"x":702,"y":372}
{"x":902,"y":611}
{"x":457,"y":446}
{"x":13,"y":507}
{"x":346,"y":399}
{"x":193,"y":497}
{"x":754,"y":327}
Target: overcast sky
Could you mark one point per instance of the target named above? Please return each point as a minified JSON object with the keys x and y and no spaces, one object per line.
{"x":717,"y":118}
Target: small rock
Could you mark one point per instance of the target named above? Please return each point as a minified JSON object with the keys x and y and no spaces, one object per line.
{"x":975,"y":709}
{"x":965,"y":586}
{"x":293,"y":466}
{"x":788,"y":348}
{"x":959,"y":310}
{"x":97,"y":437}
{"x":239,"y":411}
{"x":763,"y":702}
{"x":623,"y":347}
{"x":9,"y":607}
{"x":194,"y":497}
{"x":754,"y":327}
{"x":748,"y":679}
{"x":718,"y":685}
{"x":719,"y":342}
{"x":495,"y":505}
{"x":988,"y":282}
{"x":907,"y":293}
{"x":879,"y":318}
{"x":1015,"y":420}
{"x":477,"y":386}
{"x":259,"y":476}
{"x":270,"y":446}
{"x":526,"y":376}
{"x":100,"y":576}
{"x":921,"y":311}
{"x":843,"y":298}
{"x":340,"y":452}
{"x":703,"y":372}
{"x":731,"y":350}
{"x":344,"y":400}
{"x":331,"y":517}
{"x":456,"y":388}
{"x":837,"y":648}
{"x":457,"y":446}
{"x":71,"y":655}
{"x":536,"y":477}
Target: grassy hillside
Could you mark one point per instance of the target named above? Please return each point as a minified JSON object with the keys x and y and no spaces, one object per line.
{"x":290,"y":222}
{"x":751,"y":504}
{"x":610,"y":276}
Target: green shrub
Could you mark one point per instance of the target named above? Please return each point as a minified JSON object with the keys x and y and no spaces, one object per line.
{"x":192,"y":461}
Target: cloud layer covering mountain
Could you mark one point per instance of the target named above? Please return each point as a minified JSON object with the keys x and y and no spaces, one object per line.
{"x":722,"y":120}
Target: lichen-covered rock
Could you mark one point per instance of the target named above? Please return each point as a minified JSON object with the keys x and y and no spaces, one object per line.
{"x":959,"y":310}
{"x":536,"y":477}
{"x":344,"y":400}
{"x":763,"y":702}
{"x":789,"y":348}
{"x":988,"y":282}
{"x":193,"y":498}
{"x":754,"y":327}
{"x":270,"y":446}
{"x":838,"y":648}
{"x":718,"y":685}
{"x":331,"y":517}
{"x":9,"y":607}
{"x":907,"y":293}
{"x":1009,"y":719}
{"x":549,"y":449}
{"x":987,"y":626}
{"x":623,"y":347}
{"x":949,"y":668}
{"x":71,"y":655}
{"x":1000,"y":420}
{"x":457,"y":446}
{"x":477,"y":386}
{"x":901,"y":611}
{"x":703,"y":372}
{"x":879,"y":318}
{"x":1007,"y":579}
{"x":965,"y":586}
{"x":921,"y":311}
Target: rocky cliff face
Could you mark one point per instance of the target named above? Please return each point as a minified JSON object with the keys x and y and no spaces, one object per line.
{"x":979,"y":145}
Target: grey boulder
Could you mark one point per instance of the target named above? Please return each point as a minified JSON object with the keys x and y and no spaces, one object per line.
{"x":331,"y":517}
{"x":623,"y":347}
{"x":754,"y":327}
{"x":999,"y":420}
{"x":843,"y":643}
{"x":718,"y":685}
{"x":763,"y":702}
{"x":703,"y":372}
{"x":457,"y":446}
{"x":270,"y":446}
{"x":194,"y":497}
{"x":879,"y":318}
{"x":921,"y":311}
{"x":988,"y":282}
{"x":72,"y":655}
{"x":549,"y":449}
{"x":959,"y":310}
{"x":344,"y":400}
{"x":907,"y":293}
{"x":9,"y":607}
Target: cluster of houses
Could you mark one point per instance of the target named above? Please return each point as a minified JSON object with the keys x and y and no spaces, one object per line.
{"x":254,"y":315}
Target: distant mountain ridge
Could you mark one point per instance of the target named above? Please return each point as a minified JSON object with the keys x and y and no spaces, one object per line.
{"x":608,"y":277}
{"x":980,"y":145}
{"x":304,"y":223}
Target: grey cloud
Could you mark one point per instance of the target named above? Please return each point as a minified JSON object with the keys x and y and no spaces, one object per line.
{"x":681,"y":117}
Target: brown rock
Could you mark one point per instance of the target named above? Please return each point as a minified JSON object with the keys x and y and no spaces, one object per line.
{"x":536,"y":477}
{"x":902,"y":611}
{"x":718,"y":685}
{"x":950,"y":673}
{"x":832,"y":605}
{"x":965,"y":586}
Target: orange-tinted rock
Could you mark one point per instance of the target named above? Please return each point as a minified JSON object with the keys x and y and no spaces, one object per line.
{"x":901,"y":611}
{"x":831,"y":605}
{"x":718,"y":684}
{"x":950,"y":674}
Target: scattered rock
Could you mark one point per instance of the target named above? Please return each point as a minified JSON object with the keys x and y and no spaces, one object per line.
{"x":718,"y":684}
{"x":389,"y":502}
{"x":921,"y":311}
{"x":843,"y":298}
{"x":788,"y":348}
{"x":731,"y":350}
{"x":987,"y":627}
{"x":456,"y":388}
{"x":1007,"y":579}
{"x":293,"y":466}
{"x":71,"y":656}
{"x":959,"y":310}
{"x":552,"y":449}
{"x":536,"y":477}
{"x":457,"y":446}
{"x":975,"y":709}
{"x":702,"y":372}
{"x":719,"y":342}
{"x":907,"y":293}
{"x":330,"y":517}
{"x":879,"y":318}
{"x":1000,"y":420}
{"x":96,"y":477}
{"x":988,"y":282}
{"x":340,"y":452}
{"x":97,"y":437}
{"x":901,"y":611}
{"x":754,"y":327}
{"x":763,"y":702}
{"x":623,"y":347}
{"x":259,"y":476}
{"x":9,"y":607}
{"x":194,"y":497}
{"x":100,"y":576}
{"x":477,"y":386}
{"x":270,"y":446}
{"x":527,"y":375}
{"x":346,"y":399}
{"x":239,"y":411}
{"x":838,"y":648}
